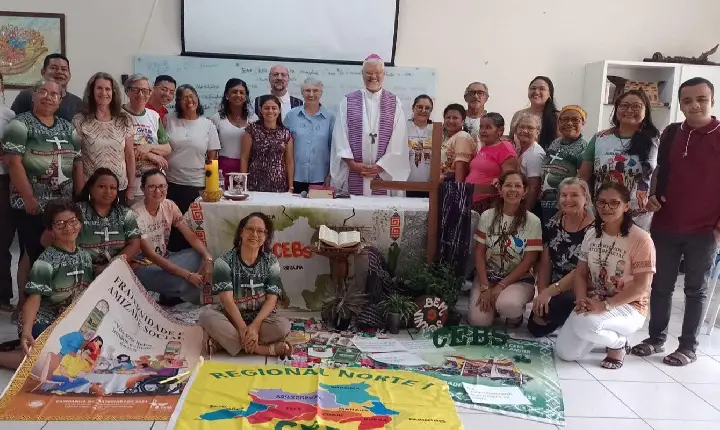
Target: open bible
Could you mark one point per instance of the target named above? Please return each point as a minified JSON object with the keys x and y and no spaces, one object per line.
{"x":343,"y":239}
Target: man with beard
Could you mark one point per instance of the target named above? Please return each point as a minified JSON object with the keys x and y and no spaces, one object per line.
{"x":56,"y":67}
{"x":279,"y":79}
{"x":162,"y":94}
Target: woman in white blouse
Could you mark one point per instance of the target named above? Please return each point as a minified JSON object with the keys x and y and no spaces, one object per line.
{"x":231,"y":119}
{"x":194,"y":140}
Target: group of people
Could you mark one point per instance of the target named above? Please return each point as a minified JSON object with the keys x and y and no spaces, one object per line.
{"x":87,"y":180}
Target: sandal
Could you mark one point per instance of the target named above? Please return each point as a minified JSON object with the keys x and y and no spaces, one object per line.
{"x":211,"y":346}
{"x":286,"y":349}
{"x":615,"y":363}
{"x":679,"y":358}
{"x":646,"y":348}
{"x":10,"y":345}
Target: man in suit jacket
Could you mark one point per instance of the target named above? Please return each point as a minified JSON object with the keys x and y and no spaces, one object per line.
{"x":279,"y":79}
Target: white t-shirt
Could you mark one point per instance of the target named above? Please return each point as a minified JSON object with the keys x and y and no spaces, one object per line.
{"x":6,"y":115}
{"x":230,"y":135}
{"x":473,"y":127}
{"x":531,"y":161}
{"x":156,"y":229}
{"x":190,"y":141}
{"x":148,"y":131}
{"x":420,"y":148}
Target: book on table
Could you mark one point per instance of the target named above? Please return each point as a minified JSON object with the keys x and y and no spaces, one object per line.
{"x":321,"y":192}
{"x":343,"y":239}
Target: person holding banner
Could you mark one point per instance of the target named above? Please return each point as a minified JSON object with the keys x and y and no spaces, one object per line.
{"x":59,"y":275}
{"x":178,"y":275}
{"x":247,"y":280}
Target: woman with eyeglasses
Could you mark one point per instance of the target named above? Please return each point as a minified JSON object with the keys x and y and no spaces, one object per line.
{"x":563,"y":157}
{"x":174,"y":275}
{"x":508,"y":243}
{"x":42,"y":154}
{"x":60,"y":274}
{"x":419,"y":130}
{"x":151,"y":142}
{"x":626,"y":153}
{"x":611,"y":283}
{"x":458,"y":147}
{"x":106,"y":133}
{"x":247,"y":281}
{"x":109,"y":227}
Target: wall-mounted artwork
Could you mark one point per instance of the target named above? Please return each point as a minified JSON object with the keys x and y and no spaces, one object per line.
{"x":25,"y":39}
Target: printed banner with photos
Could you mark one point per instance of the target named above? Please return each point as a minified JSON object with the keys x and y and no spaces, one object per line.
{"x":515,"y":378}
{"x":107,"y":358}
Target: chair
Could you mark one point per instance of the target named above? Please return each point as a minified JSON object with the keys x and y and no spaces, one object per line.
{"x":712,"y":283}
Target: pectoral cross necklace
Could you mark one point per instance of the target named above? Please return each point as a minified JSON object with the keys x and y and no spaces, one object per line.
{"x":372,"y":121}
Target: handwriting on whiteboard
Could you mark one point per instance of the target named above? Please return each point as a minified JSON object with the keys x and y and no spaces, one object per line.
{"x":208,"y":76}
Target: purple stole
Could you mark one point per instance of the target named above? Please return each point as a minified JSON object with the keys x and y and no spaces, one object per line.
{"x":355,"y":116}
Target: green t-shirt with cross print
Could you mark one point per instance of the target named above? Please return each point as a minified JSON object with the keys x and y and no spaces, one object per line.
{"x":58,"y":277}
{"x":48,"y":155}
{"x":250,"y":284}
{"x":104,"y":237}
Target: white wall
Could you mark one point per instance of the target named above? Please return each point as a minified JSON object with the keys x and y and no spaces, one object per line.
{"x":503,"y":43}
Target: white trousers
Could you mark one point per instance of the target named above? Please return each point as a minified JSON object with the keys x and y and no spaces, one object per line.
{"x":609,"y":329}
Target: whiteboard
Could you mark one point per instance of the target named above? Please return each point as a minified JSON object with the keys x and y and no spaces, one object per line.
{"x":208,"y":76}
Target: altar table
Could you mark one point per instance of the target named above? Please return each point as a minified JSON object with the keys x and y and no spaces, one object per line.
{"x":397,"y":222}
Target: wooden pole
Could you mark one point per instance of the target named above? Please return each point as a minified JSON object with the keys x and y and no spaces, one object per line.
{"x":432,"y":187}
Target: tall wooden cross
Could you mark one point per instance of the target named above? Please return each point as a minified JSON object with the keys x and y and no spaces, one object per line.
{"x":432,"y":187}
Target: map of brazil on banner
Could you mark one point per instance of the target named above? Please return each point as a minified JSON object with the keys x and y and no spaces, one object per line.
{"x":105,"y":358}
{"x":224,"y":395}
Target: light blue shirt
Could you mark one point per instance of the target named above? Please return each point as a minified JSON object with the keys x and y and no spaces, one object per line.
{"x":312,"y":136}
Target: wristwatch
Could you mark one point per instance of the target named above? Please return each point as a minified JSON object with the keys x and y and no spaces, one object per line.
{"x":210,"y":259}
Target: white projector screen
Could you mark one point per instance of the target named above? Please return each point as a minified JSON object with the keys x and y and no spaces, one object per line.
{"x":344,"y":31}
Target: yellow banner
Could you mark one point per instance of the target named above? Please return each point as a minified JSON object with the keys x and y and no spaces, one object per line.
{"x":224,"y":395}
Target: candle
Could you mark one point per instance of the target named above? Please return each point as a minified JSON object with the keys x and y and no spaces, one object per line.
{"x":212,"y":177}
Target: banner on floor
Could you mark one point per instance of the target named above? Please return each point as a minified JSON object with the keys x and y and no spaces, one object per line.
{"x":224,"y":395}
{"x":484,"y":369}
{"x":105,"y":358}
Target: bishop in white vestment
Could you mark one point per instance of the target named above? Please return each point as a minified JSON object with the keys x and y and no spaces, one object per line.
{"x":370,"y":136}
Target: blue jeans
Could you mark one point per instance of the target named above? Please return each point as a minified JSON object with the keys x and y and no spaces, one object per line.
{"x":155,"y":279}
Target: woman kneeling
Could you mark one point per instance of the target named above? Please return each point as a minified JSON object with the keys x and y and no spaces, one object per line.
{"x":247,"y":280}
{"x":59,"y":275}
{"x":509,"y":241}
{"x":612,"y":282}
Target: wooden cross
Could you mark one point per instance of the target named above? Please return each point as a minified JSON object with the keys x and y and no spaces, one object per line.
{"x":432,"y":187}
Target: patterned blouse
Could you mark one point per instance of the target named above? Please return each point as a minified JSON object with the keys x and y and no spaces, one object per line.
{"x":267,"y":159}
{"x":103,"y":144}
{"x":58,"y":277}
{"x":564,"y":247}
{"x":250,"y":284}
{"x":104,"y":237}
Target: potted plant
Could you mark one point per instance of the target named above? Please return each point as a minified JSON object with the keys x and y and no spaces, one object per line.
{"x":395,"y":309}
{"x":437,"y":280}
{"x":341,"y":306}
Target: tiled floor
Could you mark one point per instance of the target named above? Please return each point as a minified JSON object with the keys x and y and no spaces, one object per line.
{"x":644,"y":395}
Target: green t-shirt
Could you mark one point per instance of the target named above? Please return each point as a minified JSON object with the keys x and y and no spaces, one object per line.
{"x":250,"y":284}
{"x":562,"y":160}
{"x":104,"y":237}
{"x":58,"y":277}
{"x":48,"y":155}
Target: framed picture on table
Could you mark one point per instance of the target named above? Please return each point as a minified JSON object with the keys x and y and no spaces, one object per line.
{"x":25,"y":39}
